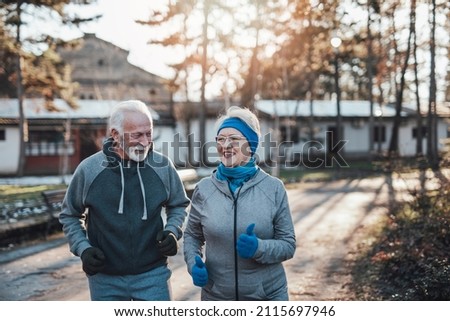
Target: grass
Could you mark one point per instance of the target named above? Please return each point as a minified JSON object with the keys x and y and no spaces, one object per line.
{"x":12,"y":193}
{"x":355,"y":169}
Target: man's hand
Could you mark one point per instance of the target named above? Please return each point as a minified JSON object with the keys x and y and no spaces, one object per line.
{"x":93,"y":260}
{"x":167,"y":243}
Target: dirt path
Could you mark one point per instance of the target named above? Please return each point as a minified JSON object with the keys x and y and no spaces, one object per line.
{"x":331,"y":220}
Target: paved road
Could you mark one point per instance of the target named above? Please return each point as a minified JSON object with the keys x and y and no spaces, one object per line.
{"x":329,"y":219}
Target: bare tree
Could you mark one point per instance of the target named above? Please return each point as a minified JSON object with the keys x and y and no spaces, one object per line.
{"x":371,"y":5}
{"x":400,"y":87}
{"x":432,"y":121}
{"x":419,"y":133}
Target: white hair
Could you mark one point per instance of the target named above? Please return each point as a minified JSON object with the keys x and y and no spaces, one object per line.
{"x":244,"y":114}
{"x":118,"y":113}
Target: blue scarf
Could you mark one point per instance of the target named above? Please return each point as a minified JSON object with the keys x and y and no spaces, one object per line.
{"x":236,"y":176}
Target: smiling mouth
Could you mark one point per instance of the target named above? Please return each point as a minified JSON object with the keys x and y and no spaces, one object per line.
{"x":140,"y":148}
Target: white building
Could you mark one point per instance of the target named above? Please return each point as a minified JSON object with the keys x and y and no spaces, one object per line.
{"x":180,"y":140}
{"x":297,"y":119}
{"x":47,"y":145}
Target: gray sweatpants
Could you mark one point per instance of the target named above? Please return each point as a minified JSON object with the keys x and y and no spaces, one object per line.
{"x":153,"y":285}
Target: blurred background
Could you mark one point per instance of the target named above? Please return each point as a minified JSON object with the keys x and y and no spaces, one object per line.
{"x":332,"y":81}
{"x":344,"y":90}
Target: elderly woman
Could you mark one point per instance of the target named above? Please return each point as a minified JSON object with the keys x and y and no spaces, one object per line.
{"x":239,"y":229}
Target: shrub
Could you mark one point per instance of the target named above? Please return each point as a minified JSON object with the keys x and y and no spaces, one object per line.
{"x":411,"y":258}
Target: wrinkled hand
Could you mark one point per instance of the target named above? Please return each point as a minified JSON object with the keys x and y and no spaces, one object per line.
{"x":93,"y":260}
{"x":167,"y":243}
{"x":199,"y":272}
{"x":247,"y":243}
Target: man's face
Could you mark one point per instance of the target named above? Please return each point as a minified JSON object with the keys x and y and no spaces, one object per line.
{"x":136,"y":140}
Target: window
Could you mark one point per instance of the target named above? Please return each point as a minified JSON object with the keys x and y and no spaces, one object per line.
{"x":379,"y":134}
{"x":2,"y":134}
{"x":292,"y":132}
{"x":48,"y":143}
{"x":424,"y":132}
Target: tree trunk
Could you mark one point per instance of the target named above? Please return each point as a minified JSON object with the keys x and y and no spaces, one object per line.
{"x":419,"y":136}
{"x":338,"y":102}
{"x":432,"y":126}
{"x":370,"y":83}
{"x":393,"y":146}
{"x":23,"y":128}
{"x":311,"y":88}
{"x":255,"y":64}
{"x":203,"y":105}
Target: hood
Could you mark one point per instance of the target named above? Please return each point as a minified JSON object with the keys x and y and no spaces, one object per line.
{"x":113,"y":161}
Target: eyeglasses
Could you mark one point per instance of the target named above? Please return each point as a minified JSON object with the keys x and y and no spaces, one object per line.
{"x":138,"y":135}
{"x":235,"y":140}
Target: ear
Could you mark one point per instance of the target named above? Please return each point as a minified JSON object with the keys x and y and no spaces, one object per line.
{"x":115,"y":135}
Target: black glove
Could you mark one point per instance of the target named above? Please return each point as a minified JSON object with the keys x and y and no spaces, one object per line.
{"x":93,"y":260}
{"x":167,"y":243}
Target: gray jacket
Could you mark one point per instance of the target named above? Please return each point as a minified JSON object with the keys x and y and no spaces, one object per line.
{"x":216,"y":220}
{"x":123,"y":202}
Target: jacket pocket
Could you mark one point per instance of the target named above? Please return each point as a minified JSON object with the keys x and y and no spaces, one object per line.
{"x":247,"y":292}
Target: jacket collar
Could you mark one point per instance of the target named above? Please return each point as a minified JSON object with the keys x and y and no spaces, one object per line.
{"x":223,"y":185}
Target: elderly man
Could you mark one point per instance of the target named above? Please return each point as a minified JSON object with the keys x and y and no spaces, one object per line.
{"x":111,"y":213}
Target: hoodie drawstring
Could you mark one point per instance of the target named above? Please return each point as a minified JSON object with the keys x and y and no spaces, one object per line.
{"x":144,"y":216}
{"x":122,"y":180}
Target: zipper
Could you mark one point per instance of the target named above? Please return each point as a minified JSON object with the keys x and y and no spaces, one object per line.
{"x":236,"y":273}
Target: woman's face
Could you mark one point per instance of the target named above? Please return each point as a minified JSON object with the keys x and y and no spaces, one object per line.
{"x":233,"y":147}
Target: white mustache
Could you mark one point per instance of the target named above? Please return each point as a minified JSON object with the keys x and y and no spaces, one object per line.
{"x":140,"y":148}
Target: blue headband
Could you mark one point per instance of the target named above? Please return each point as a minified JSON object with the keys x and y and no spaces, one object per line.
{"x":245,"y":129}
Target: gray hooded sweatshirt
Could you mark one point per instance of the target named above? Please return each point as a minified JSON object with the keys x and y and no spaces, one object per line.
{"x":117,"y":205}
{"x":216,"y":220}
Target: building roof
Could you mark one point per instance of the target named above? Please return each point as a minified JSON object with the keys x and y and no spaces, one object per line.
{"x":35,"y":109}
{"x":326,"y":108}
{"x":115,"y":66}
